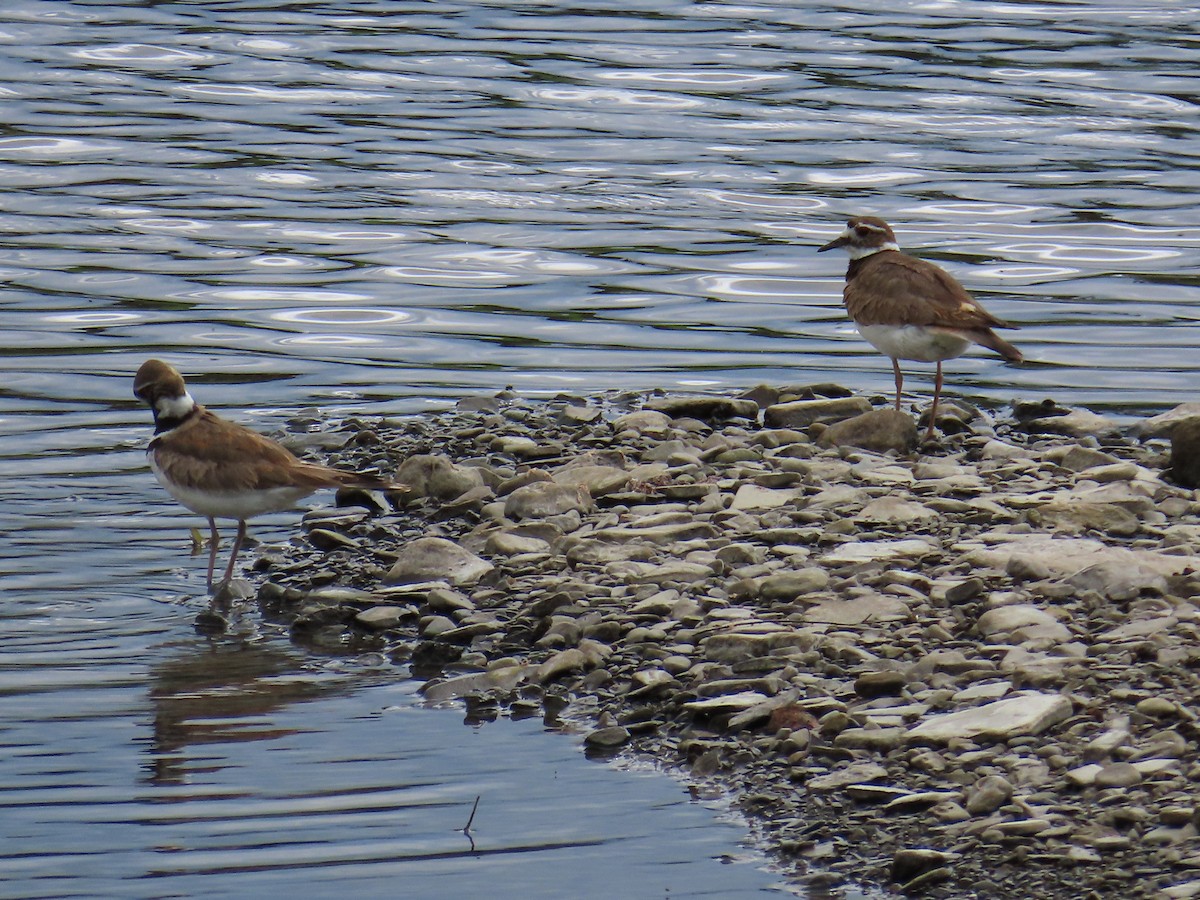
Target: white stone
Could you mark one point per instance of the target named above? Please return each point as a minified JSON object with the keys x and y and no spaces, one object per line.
{"x":858,"y":610}
{"x":1025,"y":713}
{"x":752,"y":496}
{"x":894,"y":509}
{"x":437,"y":559}
{"x":1022,"y":622}
{"x":872,"y":551}
{"x":727,"y":703}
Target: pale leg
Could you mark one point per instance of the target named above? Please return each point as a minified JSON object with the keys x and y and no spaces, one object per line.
{"x":937,"y":393}
{"x":237,"y":545}
{"x":213,"y":539}
{"x":899,"y":381}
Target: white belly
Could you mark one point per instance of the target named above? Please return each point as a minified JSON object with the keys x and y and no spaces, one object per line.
{"x":231,"y":504}
{"x":914,"y":342}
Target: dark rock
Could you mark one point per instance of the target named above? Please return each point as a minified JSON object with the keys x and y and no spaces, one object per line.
{"x":705,"y":408}
{"x":436,"y":559}
{"x":612,"y":736}
{"x":879,"y":684}
{"x":909,"y":863}
{"x":1185,"y":453}
{"x":802,"y":413}
{"x":436,"y":476}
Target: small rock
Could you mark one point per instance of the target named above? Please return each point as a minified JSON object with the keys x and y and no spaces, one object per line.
{"x":876,"y":551}
{"x":988,"y":794}
{"x":1025,"y":713}
{"x":436,"y":559}
{"x":561,"y":663}
{"x":612,"y":736}
{"x":1158,"y":708}
{"x":910,"y":863}
{"x":1022,"y":622}
{"x":1075,"y":422}
{"x":543,"y":499}
{"x":705,"y":408}
{"x":504,"y":543}
{"x":878,"y":684}
{"x":1117,"y":579}
{"x":802,"y":413}
{"x":598,"y":480}
{"x":645,"y":421}
{"x":879,"y":431}
{"x":1118,"y":774}
{"x":890,"y":510}
{"x":788,"y":586}
{"x":1164,"y":423}
{"x":327,"y":540}
{"x":1185,"y":453}
{"x":380,"y":618}
{"x":436,"y":476}
{"x":751,"y":496}
{"x":858,"y":610}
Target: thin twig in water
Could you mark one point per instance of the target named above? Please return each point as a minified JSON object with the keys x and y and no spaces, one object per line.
{"x":467,"y":827}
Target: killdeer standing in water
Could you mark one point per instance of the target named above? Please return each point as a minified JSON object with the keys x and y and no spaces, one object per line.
{"x":911,"y":309}
{"x":222,"y":470}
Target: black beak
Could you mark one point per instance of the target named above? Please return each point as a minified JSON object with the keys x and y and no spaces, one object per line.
{"x":839,"y":241}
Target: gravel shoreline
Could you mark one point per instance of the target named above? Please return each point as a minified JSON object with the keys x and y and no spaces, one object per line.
{"x":964,"y":671}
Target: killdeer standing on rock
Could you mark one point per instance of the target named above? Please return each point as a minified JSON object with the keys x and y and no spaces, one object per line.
{"x":222,"y":470}
{"x":911,"y":309}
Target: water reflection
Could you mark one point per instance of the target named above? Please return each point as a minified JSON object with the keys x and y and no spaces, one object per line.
{"x":214,"y":692}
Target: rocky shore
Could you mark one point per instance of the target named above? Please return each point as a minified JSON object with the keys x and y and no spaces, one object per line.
{"x":968,"y":669}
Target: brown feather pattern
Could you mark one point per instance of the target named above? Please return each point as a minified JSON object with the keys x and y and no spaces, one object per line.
{"x":208,"y":453}
{"x":892,"y":288}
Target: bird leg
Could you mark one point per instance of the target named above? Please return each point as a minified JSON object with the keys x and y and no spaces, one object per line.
{"x":937,"y":393}
{"x":237,"y":545}
{"x":213,"y":540}
{"x":899,"y":381}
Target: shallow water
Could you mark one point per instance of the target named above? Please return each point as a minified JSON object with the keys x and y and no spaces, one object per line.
{"x":382,"y":208}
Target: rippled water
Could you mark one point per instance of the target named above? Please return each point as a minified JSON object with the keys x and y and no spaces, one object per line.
{"x":380,"y":207}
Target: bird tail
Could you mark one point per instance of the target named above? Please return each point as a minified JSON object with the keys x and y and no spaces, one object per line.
{"x":368,"y":482}
{"x":315,"y":476}
{"x":985,"y":337}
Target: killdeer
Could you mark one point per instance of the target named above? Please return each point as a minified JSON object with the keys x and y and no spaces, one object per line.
{"x":222,"y":470}
{"x":908,"y":308}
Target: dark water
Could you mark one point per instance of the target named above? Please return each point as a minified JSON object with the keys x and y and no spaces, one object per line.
{"x":380,"y":207}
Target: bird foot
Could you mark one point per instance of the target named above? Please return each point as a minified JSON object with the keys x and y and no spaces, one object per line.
{"x":232,"y":589}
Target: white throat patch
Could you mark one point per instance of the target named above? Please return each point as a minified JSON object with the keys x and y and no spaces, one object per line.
{"x":175,"y":407}
{"x":864,"y":252}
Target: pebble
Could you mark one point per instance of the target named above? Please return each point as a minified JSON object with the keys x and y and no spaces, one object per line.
{"x":437,"y":559}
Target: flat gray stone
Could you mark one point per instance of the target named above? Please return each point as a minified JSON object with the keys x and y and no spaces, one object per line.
{"x":598,"y":480}
{"x":802,"y":413}
{"x":752,"y":496}
{"x":1164,"y":423}
{"x":872,"y":551}
{"x":1022,"y":622}
{"x":436,"y":476}
{"x":543,"y":499}
{"x":705,"y":408}
{"x":880,"y":431}
{"x":436,"y":559}
{"x":1024,"y":713}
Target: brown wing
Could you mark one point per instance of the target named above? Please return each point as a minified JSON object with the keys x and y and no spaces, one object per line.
{"x":210,"y":453}
{"x":890,"y":288}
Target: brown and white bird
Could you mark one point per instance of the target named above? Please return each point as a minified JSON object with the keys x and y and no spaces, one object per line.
{"x":222,"y":470}
{"x":908,"y":308}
